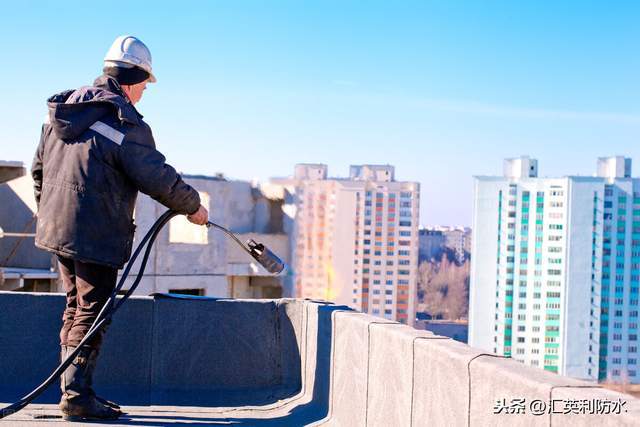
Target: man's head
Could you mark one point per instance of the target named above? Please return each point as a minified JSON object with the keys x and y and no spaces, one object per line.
{"x":128,"y":61}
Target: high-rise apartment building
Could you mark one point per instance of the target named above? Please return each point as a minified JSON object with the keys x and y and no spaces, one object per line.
{"x":355,"y":240}
{"x":555,"y":269}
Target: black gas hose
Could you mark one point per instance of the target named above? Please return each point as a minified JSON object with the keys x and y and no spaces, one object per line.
{"x":257,"y":250}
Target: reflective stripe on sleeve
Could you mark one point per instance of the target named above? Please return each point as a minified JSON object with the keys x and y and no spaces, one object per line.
{"x":108,"y":132}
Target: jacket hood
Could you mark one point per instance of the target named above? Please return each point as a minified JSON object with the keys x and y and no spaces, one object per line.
{"x":73,"y":111}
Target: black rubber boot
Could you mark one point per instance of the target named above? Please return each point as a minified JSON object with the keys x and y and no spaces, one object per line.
{"x":91,"y":366}
{"x":79,"y":401}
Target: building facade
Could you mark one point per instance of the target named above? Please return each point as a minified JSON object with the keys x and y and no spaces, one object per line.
{"x":459,"y":240}
{"x":196,"y":260}
{"x":185,"y":258}
{"x":430,"y":242}
{"x":554,"y":269}
{"x":23,"y":267}
{"x":355,"y":240}
{"x":433,"y":240}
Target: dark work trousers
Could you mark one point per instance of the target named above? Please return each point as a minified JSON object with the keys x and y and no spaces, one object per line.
{"x":88,"y":287}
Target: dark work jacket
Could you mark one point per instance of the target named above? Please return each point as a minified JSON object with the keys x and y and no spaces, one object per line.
{"x":95,"y":153}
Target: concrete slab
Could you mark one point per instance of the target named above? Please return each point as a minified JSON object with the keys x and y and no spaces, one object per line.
{"x":497,"y":383}
{"x":349,"y":367}
{"x":390,"y":373}
{"x":441,"y":382}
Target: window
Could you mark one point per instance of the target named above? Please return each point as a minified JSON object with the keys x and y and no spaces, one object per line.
{"x":182,"y":231}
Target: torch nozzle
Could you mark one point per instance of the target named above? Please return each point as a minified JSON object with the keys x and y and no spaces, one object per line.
{"x":265,"y":257}
{"x":258,"y":251}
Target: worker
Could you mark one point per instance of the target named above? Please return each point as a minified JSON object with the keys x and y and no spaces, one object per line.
{"x":95,"y":154}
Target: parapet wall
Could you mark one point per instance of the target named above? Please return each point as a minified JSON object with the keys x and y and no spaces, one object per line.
{"x":387,"y":374}
{"x":160,"y":351}
{"x":300,"y":362}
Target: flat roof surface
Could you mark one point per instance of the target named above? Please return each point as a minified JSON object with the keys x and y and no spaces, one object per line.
{"x":278,"y":414}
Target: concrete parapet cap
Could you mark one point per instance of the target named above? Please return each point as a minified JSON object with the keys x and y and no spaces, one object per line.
{"x":406,"y":331}
{"x":495,"y":382}
{"x":511,"y":369}
{"x":360,"y":317}
{"x":448,"y":346}
{"x":441,"y":381}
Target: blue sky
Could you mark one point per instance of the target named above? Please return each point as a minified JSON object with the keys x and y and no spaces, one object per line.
{"x":443,"y":90}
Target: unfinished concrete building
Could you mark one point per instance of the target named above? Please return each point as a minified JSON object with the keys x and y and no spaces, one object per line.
{"x":23,"y":267}
{"x":195,"y":260}
{"x":185,"y":258}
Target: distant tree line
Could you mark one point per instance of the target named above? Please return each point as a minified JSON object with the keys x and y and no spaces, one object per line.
{"x":443,"y":286}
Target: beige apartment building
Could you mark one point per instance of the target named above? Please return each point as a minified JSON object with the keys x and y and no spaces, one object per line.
{"x":354,"y":240}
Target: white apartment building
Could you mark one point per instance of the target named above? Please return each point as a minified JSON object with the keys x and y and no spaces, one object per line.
{"x":355,"y":240}
{"x":555,"y":269}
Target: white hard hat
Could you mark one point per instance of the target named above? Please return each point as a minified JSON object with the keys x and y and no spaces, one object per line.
{"x":130,"y":50}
